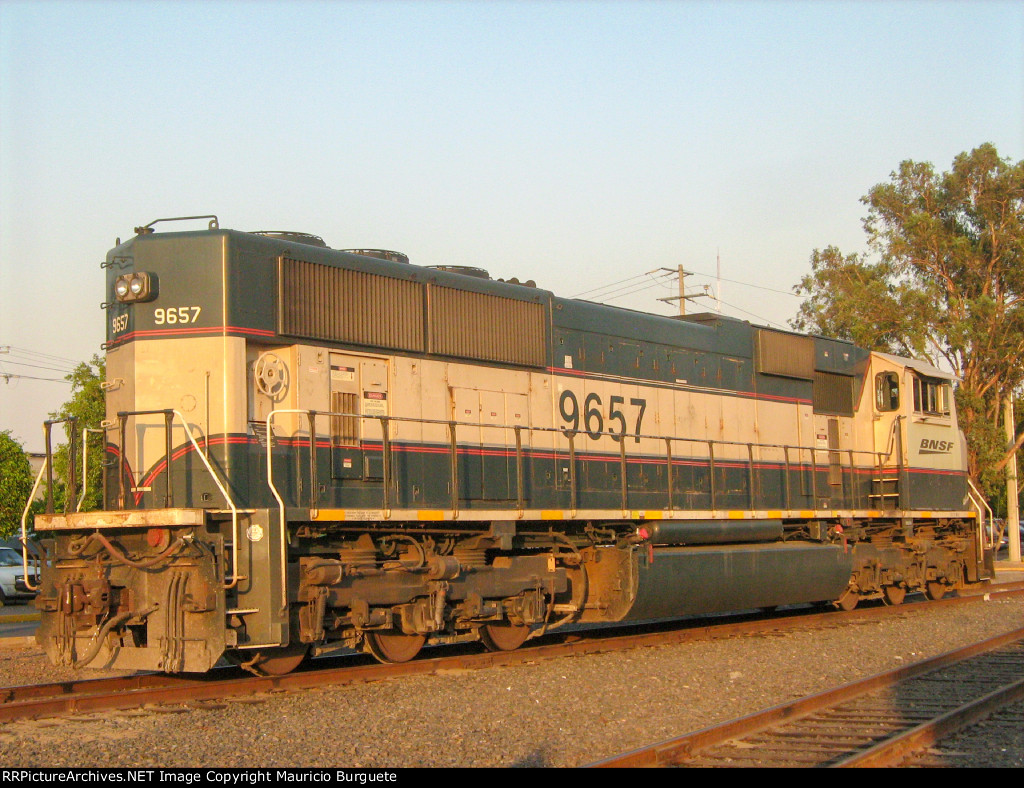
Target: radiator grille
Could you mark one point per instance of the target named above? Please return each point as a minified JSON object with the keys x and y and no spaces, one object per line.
{"x":342,"y":305}
{"x":354,"y":307}
{"x":485,"y":327}
{"x":833,"y":394}
{"x":788,"y":355}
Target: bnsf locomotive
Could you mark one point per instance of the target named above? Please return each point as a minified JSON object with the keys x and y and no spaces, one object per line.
{"x":309,"y":450}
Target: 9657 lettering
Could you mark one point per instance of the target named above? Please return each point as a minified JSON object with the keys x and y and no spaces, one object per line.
{"x":592,"y":416}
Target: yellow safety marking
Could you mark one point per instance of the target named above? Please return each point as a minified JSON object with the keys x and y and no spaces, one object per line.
{"x":648,"y":515}
{"x":552,"y":514}
{"x":774,"y":515}
{"x":329,"y":514}
{"x":429,"y":514}
{"x":737,"y":515}
{"x":807,"y":513}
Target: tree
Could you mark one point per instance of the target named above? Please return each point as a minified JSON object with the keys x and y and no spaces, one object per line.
{"x":87,"y":407}
{"x":15,"y":484}
{"x":948,"y":285}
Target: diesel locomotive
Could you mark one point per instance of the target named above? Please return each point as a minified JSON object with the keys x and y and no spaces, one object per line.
{"x":309,"y":450}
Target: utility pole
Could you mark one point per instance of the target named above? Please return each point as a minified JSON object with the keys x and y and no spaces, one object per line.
{"x":683,"y":297}
{"x":1012,"y":504}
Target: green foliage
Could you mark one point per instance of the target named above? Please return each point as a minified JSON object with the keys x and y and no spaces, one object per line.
{"x":15,"y":484}
{"x":877,"y":312}
{"x":87,"y":407}
{"x":948,"y":285}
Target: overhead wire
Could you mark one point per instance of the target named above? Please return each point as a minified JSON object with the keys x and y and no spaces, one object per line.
{"x":34,"y":366}
{"x":637,"y":287}
{"x":612,"y":285}
{"x":37,"y":355}
{"x":9,"y":376}
{"x":597,"y":294}
{"x":12,"y":355}
{"x":752,"y":314}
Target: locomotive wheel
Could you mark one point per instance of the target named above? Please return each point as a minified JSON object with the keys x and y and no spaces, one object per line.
{"x":848,"y":600}
{"x":935,"y":589}
{"x":394,"y":646}
{"x":273,"y":661}
{"x":893,"y":595}
{"x":503,"y":637}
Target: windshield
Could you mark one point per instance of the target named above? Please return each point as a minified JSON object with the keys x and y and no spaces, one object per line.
{"x":9,"y":557}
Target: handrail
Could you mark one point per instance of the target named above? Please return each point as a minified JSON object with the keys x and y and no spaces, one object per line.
{"x":169,"y":416}
{"x":714,"y":458}
{"x":231,"y":504}
{"x":47,"y":428}
{"x":979,"y":501}
{"x":85,"y":463}
{"x":24,"y":527}
{"x":277,"y":496}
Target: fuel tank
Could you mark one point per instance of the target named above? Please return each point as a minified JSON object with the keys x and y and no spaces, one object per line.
{"x":646,"y":582}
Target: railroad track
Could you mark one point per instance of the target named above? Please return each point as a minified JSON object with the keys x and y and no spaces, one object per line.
{"x":879,"y":721}
{"x":146,"y":689}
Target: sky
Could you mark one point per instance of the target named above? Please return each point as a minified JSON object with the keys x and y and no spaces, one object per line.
{"x":579,"y":144}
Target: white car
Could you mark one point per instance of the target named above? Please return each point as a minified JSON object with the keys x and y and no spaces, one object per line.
{"x":12,"y":576}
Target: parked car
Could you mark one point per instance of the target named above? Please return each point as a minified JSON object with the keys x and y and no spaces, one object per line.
{"x":12,"y":576}
{"x":1004,"y":543}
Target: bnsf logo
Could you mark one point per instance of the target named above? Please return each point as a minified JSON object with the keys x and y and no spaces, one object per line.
{"x":929,"y":446}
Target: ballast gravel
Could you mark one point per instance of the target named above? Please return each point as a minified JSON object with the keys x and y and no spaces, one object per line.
{"x":552,"y":713}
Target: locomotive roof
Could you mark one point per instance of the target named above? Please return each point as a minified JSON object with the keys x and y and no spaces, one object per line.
{"x":708,"y":332}
{"x":923,"y":367}
{"x":724,"y":335}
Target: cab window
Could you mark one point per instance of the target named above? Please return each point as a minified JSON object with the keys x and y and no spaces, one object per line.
{"x":931,"y":396}
{"x":887,"y":391}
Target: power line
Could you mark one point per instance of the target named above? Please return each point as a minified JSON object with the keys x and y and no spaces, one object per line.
{"x":749,"y":284}
{"x":595,"y":292}
{"x":637,"y":289}
{"x":35,"y":366}
{"x":608,"y":296}
{"x":759,"y":317}
{"x":7,"y":377}
{"x":21,"y":351}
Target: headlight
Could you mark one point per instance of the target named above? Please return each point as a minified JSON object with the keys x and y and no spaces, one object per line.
{"x":140,"y":286}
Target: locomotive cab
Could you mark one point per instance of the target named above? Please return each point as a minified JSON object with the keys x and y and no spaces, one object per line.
{"x":922,"y":452}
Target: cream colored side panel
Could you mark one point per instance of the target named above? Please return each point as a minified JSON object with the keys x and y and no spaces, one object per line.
{"x":312,"y":371}
{"x":689,"y":423}
{"x":414,"y":396}
{"x":120,"y":388}
{"x":202,"y":378}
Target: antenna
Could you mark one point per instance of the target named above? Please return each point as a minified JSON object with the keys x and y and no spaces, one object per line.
{"x":718,"y":282}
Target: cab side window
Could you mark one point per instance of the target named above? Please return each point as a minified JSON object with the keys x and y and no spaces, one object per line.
{"x":931,"y":396}
{"x":887,"y":391}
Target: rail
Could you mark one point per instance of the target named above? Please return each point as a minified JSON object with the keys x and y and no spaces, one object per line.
{"x":719,"y":455}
